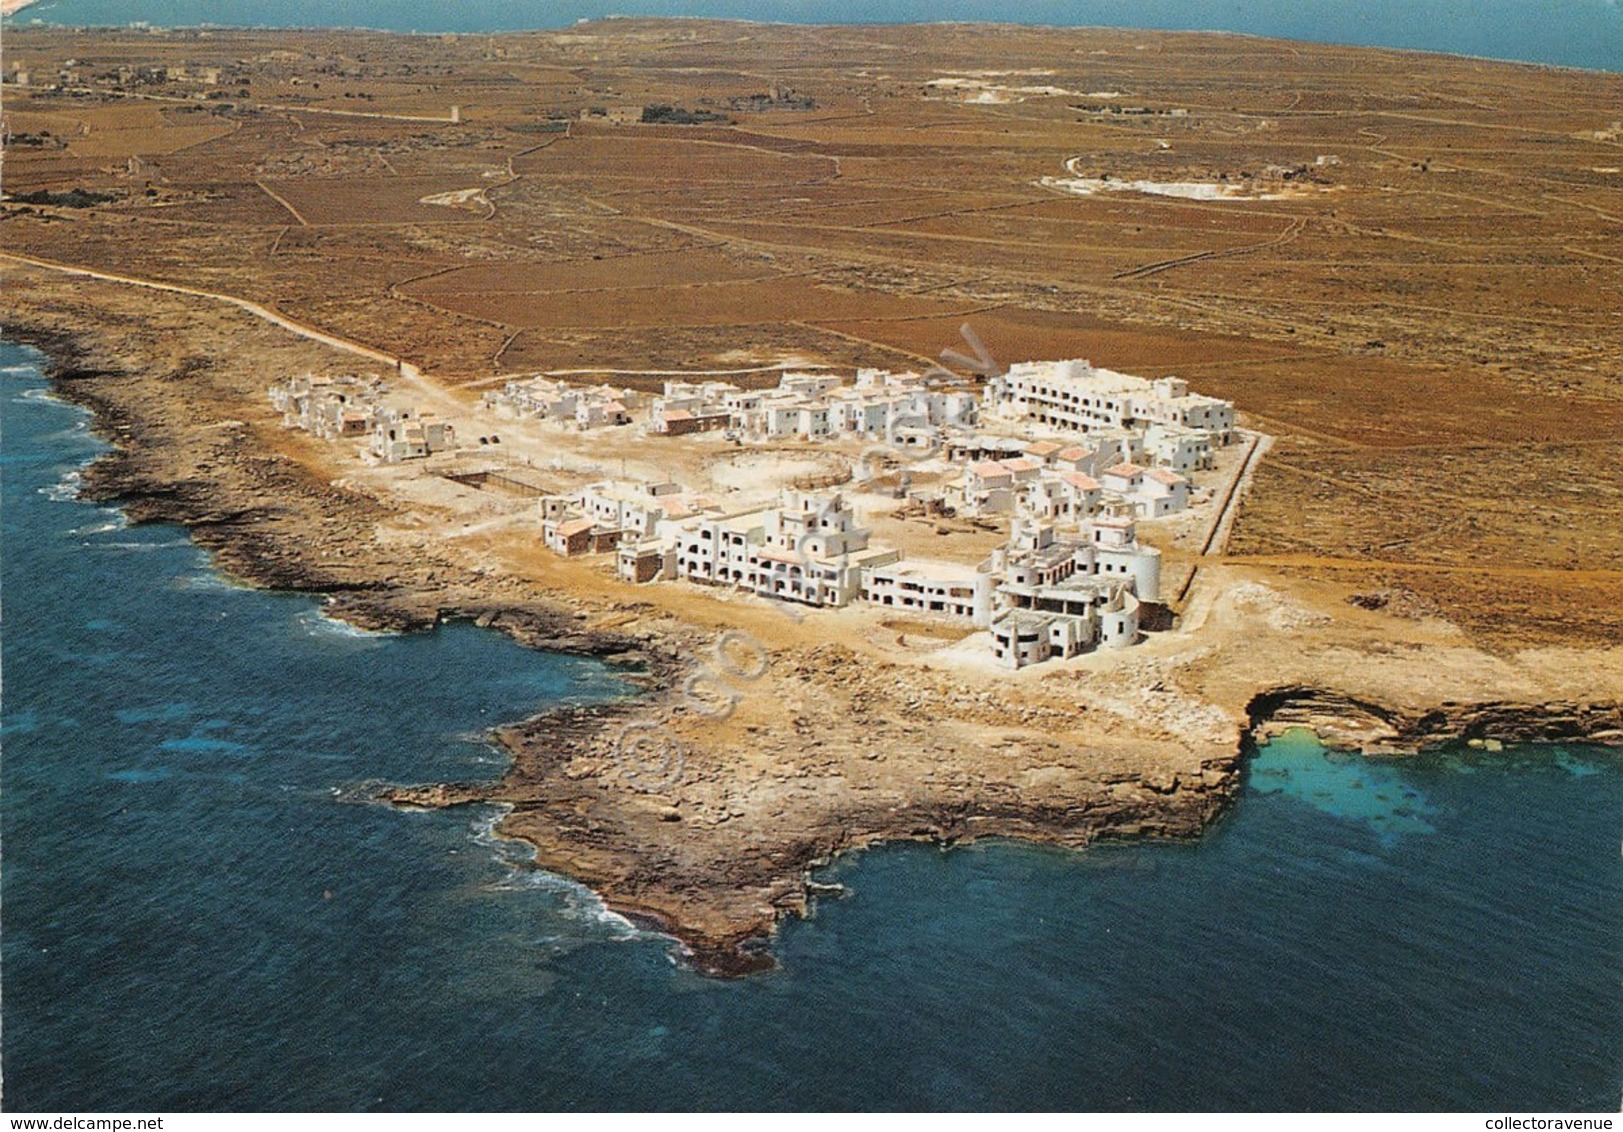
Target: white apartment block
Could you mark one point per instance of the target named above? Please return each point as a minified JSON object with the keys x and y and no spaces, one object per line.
{"x":1075,"y":396}
{"x":1153,"y":493}
{"x":687,"y":407}
{"x":1068,"y":497}
{"x":942,"y":589}
{"x":809,"y":549}
{"x":1180,"y":449}
{"x":1083,"y":618}
{"x":1064,"y":597}
{"x":1041,"y":596}
{"x":536,"y":398}
{"x":633,"y":508}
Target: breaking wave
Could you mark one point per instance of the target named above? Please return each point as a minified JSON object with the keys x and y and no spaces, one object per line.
{"x":574,"y":900}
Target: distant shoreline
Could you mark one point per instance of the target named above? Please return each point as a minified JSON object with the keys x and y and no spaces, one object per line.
{"x":1602,"y":65}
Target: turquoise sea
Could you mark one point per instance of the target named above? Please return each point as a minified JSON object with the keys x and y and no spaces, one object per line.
{"x":194,"y":917}
{"x":1572,"y":33}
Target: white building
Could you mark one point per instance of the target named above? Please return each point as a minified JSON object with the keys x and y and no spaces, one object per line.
{"x":687,"y":407}
{"x":536,"y":397}
{"x":942,"y":589}
{"x":1068,"y":497}
{"x":606,"y":515}
{"x":586,"y":406}
{"x":600,"y":411}
{"x":1153,"y":493}
{"x":1180,"y":449}
{"x":1075,"y":396}
{"x":809,"y":549}
{"x":1061,"y":597}
{"x":633,"y":508}
{"x":405,"y":434}
{"x":1065,"y":621}
{"x":816,"y":406}
{"x":329,"y":407}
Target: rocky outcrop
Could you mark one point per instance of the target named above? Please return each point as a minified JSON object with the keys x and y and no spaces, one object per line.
{"x":1345,"y":721}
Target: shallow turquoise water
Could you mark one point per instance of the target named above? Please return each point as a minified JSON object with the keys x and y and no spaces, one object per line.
{"x":193,"y":919}
{"x":1573,"y":33}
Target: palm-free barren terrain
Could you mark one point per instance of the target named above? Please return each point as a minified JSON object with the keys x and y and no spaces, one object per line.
{"x":1406,"y":269}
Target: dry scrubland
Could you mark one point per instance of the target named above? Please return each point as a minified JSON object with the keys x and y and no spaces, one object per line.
{"x":1429,"y":321}
{"x":1433,"y":325}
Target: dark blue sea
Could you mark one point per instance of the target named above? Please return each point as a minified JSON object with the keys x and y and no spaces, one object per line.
{"x":195,"y":918}
{"x":1572,"y":33}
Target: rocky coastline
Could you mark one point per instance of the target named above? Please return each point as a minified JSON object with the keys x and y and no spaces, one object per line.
{"x":718,"y":853}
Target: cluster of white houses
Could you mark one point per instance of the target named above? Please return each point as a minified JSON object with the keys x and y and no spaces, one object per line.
{"x":350,"y":407}
{"x":1125,"y":449}
{"x":1110,"y":450}
{"x":1076,"y":593}
{"x":584,"y":406}
{"x":1126,"y":439}
{"x":816,"y":406}
{"x":1160,"y":420}
{"x":1067,"y":484}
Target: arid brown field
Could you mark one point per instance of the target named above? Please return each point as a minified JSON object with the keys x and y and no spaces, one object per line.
{"x":1416,"y":284}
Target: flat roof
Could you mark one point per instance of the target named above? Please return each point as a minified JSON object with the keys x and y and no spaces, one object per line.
{"x":932,"y":569}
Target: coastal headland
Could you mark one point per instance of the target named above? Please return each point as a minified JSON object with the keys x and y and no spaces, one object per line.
{"x":1406,"y":270}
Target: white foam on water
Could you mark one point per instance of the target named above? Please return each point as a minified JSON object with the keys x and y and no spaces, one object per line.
{"x":64,"y":490}
{"x":578,"y":902}
{"x":138,"y":547}
{"x":317,"y":624}
{"x":98,"y":528}
{"x":207,"y":581}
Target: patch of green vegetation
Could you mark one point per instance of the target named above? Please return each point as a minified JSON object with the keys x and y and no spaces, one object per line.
{"x":679,"y":116}
{"x":73,"y":198}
